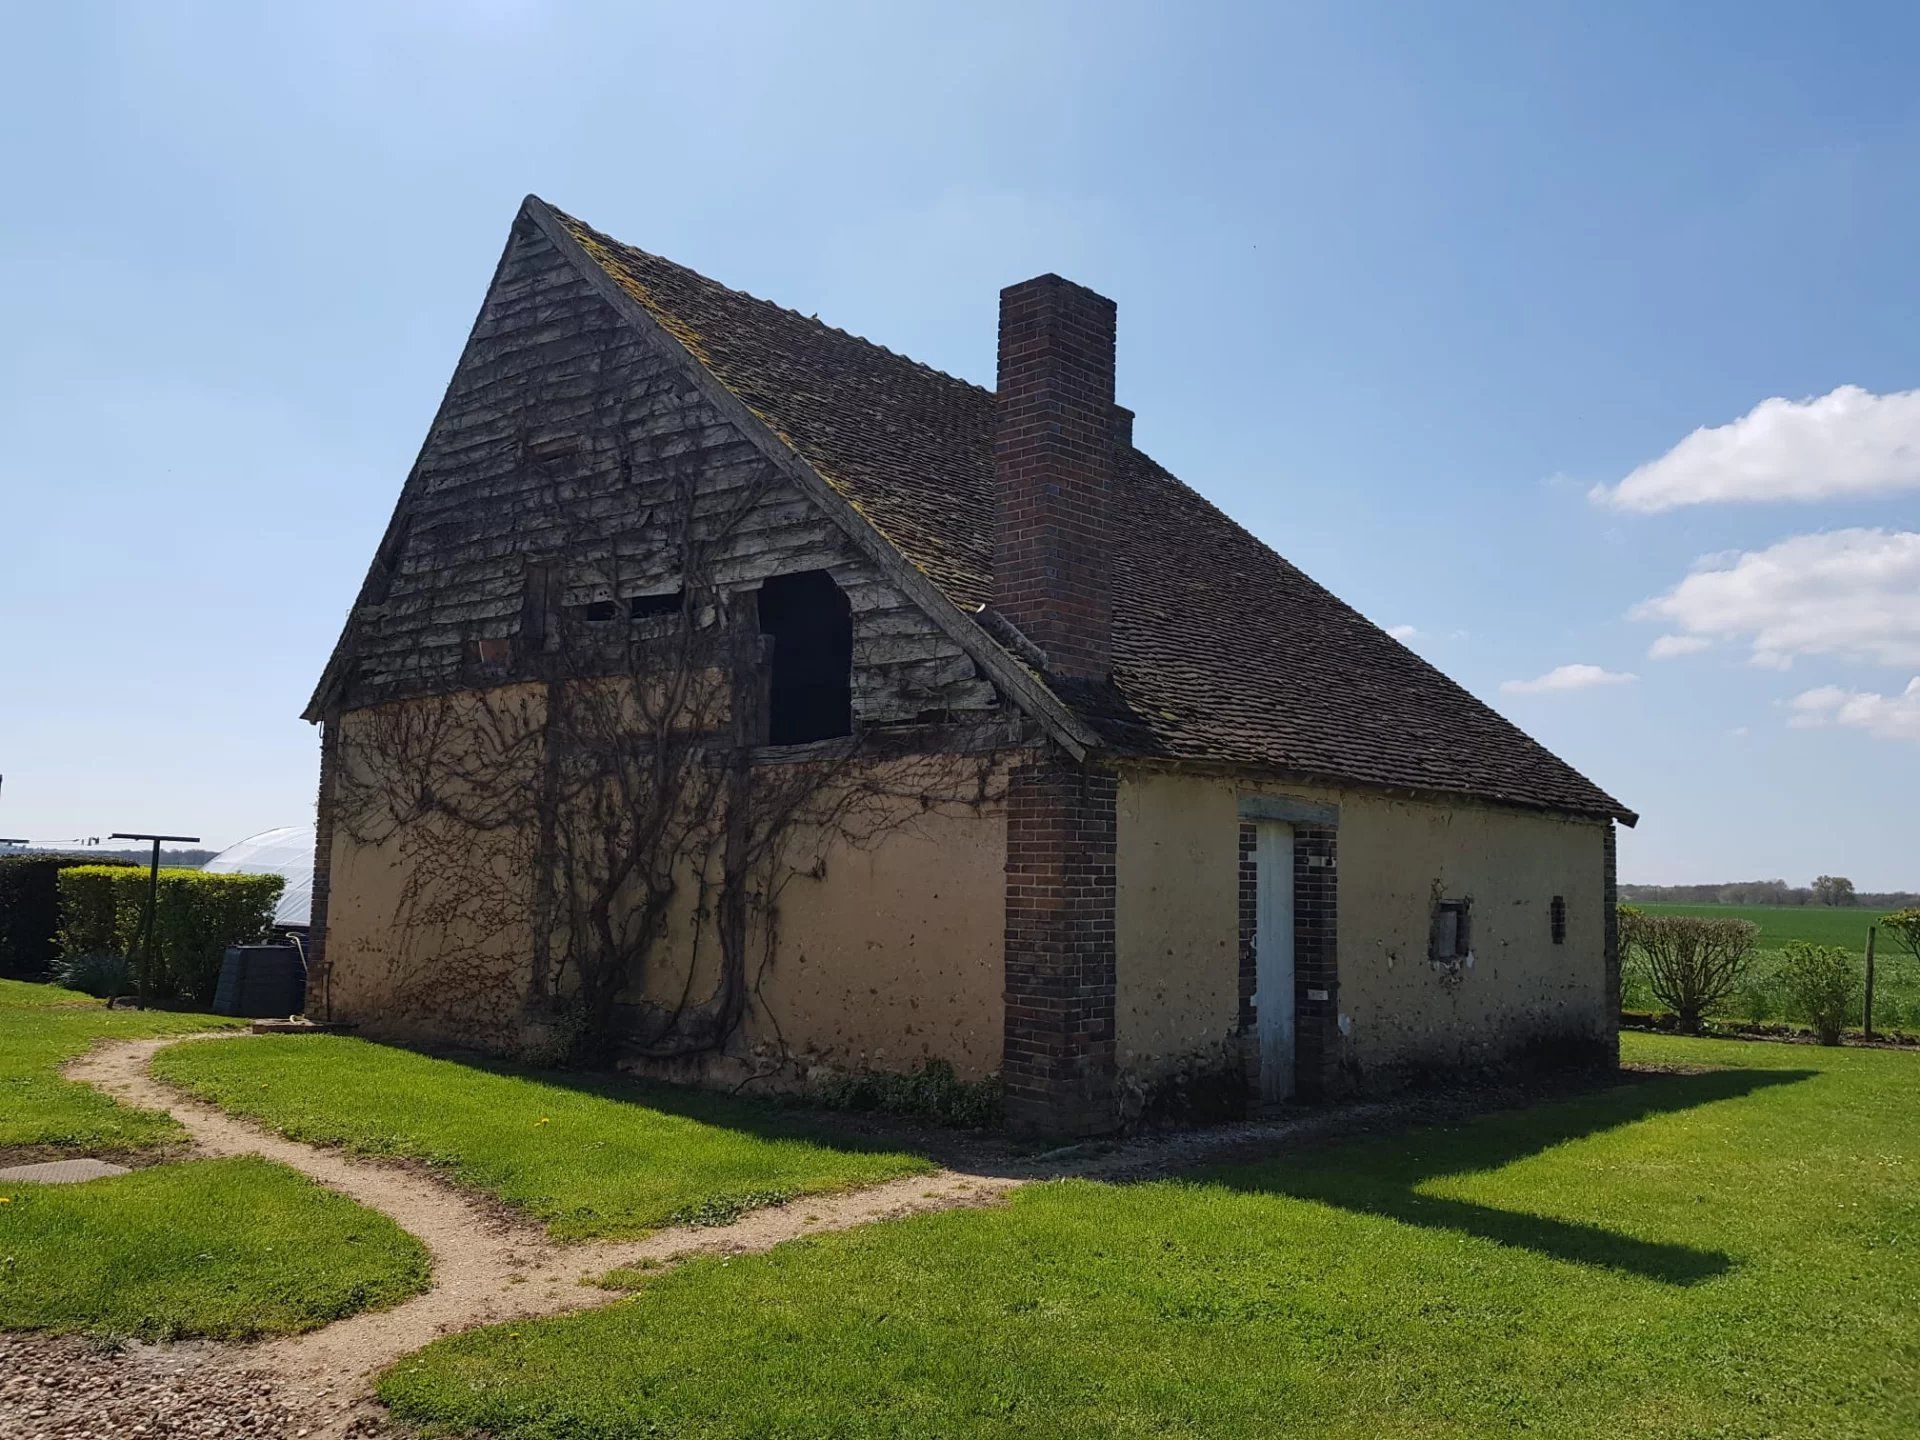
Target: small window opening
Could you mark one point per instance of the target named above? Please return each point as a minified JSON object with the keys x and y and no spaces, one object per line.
{"x":1452,"y":937}
{"x":1557,"y":918}
{"x":595,"y":612}
{"x":645,"y":607}
{"x":810,"y":686}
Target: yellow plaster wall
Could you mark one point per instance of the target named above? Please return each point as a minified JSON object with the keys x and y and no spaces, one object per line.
{"x":887,"y":947}
{"x":417,"y":948}
{"x":896,"y":953}
{"x":1177,"y":924}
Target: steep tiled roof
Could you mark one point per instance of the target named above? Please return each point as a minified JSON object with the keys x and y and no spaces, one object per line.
{"x":1223,"y":651}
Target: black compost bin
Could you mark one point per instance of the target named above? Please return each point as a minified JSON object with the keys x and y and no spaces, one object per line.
{"x":261,"y":981}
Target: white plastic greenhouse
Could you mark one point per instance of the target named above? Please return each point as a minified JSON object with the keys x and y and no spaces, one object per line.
{"x":286,"y":851}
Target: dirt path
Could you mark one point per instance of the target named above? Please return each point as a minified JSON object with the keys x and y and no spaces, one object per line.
{"x":486,"y":1268}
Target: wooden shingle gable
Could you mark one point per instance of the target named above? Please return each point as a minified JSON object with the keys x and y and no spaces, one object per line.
{"x":517,"y":468}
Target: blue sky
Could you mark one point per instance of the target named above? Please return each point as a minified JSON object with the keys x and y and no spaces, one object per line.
{"x":1398,"y":287}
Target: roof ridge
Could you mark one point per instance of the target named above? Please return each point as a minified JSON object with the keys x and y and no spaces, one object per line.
{"x":706,"y":279}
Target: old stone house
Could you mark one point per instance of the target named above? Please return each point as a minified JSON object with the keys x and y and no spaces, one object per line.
{"x":1141,"y":812}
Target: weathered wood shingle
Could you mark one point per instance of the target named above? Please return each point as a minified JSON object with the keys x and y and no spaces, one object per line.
{"x":565,"y":437}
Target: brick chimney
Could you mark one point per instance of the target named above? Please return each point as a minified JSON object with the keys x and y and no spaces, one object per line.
{"x":1053,"y":450}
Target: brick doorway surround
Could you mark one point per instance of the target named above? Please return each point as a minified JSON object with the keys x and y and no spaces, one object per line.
{"x":1316,"y":930}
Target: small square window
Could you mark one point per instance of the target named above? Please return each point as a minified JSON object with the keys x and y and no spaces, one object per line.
{"x":1557,"y":918}
{"x":595,"y":612}
{"x":1451,"y":937}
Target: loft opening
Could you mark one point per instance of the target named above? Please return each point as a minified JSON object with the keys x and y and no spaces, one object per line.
{"x":810,"y":680}
{"x":649,"y":607}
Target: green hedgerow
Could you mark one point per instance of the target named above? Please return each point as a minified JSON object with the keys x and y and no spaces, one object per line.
{"x":197,"y":916}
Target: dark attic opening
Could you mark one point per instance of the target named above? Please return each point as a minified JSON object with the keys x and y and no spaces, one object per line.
{"x":810,"y":685}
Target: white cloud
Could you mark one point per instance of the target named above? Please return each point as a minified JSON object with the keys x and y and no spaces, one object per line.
{"x":1668,"y":647}
{"x":1849,"y":442}
{"x":1890,"y":717}
{"x":1850,"y":593}
{"x":1568,"y":677}
{"x":1403,"y":632}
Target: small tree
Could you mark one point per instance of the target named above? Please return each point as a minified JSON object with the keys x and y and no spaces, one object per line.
{"x":1824,"y":983}
{"x":1833,"y":890}
{"x":1690,"y":963}
{"x":1903,"y":928}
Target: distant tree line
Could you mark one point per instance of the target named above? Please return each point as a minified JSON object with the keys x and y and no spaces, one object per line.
{"x":141,"y":855}
{"x":1827,"y":890}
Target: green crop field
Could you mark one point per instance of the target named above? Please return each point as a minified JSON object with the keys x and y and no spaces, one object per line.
{"x":1822,"y":924}
{"x":1896,"y":1003}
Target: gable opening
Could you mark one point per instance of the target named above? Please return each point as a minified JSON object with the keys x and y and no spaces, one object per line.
{"x":810,"y":681}
{"x":646,"y":607}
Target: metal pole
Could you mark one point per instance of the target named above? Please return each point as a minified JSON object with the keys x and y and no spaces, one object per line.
{"x":1867,"y":1018}
{"x":145,"y":976}
{"x":146,"y":939}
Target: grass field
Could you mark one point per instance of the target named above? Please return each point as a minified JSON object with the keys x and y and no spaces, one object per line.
{"x":587,"y":1158}
{"x":1896,"y":1004}
{"x":1729,"y":1254}
{"x":44,"y":1026}
{"x":233,"y":1249}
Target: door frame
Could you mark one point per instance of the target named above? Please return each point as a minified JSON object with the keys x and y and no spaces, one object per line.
{"x":1274,"y":974}
{"x":1312,"y":1040}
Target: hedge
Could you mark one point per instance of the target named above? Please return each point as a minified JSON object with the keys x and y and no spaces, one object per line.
{"x":198,"y":915}
{"x":30,"y":911}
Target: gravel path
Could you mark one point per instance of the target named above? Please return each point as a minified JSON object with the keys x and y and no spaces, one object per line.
{"x":487,"y":1267}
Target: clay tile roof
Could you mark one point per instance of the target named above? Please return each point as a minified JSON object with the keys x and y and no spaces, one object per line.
{"x":1223,"y":651}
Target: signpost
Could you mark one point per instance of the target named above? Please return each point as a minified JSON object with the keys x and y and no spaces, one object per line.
{"x":153,"y":901}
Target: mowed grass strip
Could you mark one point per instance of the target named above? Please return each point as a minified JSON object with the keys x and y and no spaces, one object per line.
{"x":41,"y":1028}
{"x":1728,"y":1254}
{"x":233,"y":1249}
{"x":587,"y":1158}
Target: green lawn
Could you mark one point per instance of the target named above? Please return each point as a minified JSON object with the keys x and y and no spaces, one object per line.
{"x":230,"y":1248}
{"x":1726,"y":1254}
{"x":586,"y":1157}
{"x":233,"y":1248}
{"x":1761,"y":996}
{"x":44,"y":1026}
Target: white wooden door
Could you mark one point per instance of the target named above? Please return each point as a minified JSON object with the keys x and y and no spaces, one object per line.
{"x":1273,"y":957}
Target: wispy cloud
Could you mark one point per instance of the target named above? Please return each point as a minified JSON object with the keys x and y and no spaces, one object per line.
{"x":1669,"y":647}
{"x":1849,"y":593}
{"x":1568,"y":677}
{"x":1889,"y":717}
{"x":1403,"y":632}
{"x":1848,"y":442}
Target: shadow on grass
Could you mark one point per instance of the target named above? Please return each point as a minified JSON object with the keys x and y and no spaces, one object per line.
{"x":765,"y":1117}
{"x":1381,"y":1177}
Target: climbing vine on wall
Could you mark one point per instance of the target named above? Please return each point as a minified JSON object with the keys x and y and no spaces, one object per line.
{"x":592,"y":836}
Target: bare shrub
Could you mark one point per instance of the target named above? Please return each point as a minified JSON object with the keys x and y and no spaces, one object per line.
{"x":1824,"y":983}
{"x":1691,"y":963}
